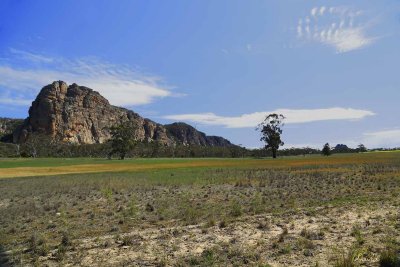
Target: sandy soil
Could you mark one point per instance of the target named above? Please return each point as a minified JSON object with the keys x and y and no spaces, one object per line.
{"x":256,"y":234}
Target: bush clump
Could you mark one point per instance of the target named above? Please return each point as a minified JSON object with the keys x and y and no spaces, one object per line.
{"x":389,"y":257}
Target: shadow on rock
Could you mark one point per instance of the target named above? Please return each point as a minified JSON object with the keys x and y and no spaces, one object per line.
{"x":4,"y":258}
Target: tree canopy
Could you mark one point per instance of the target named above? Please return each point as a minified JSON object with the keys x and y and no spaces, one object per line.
{"x":361,"y":148}
{"x":326,"y":150}
{"x":271,"y":131}
{"x":123,"y":139}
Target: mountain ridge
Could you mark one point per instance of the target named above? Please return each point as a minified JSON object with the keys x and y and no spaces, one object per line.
{"x":80,"y":115}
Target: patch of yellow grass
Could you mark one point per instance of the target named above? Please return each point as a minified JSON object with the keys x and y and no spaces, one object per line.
{"x":323,"y":164}
{"x":116,"y":167}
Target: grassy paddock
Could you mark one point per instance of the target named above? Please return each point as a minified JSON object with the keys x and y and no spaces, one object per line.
{"x":95,"y":198}
{"x":54,"y":166}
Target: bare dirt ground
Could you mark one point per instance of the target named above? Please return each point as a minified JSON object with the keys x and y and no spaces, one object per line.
{"x":311,"y":240}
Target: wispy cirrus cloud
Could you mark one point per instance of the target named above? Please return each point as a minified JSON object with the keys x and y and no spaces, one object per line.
{"x":120,"y":84}
{"x":342,"y":28}
{"x":292,"y":116}
{"x":31,"y":56}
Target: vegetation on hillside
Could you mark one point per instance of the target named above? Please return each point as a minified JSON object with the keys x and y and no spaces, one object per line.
{"x":147,"y":150}
{"x":7,"y":127}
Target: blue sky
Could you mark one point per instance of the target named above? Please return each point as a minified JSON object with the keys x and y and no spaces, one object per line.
{"x":331,"y":67}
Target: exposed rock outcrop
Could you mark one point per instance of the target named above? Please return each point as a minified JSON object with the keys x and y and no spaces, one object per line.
{"x":183,"y":133}
{"x":80,"y":115}
{"x":7,"y":127}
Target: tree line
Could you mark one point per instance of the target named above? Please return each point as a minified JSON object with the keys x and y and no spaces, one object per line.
{"x":123,"y":143}
{"x":271,"y":131}
{"x":49,"y":148}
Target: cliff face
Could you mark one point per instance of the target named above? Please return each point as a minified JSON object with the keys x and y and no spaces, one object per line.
{"x":7,"y":127}
{"x":77,"y":114}
{"x":185,"y":134}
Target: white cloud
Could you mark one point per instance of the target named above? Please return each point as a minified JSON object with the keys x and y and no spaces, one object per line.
{"x":314,"y":11}
{"x":121,"y":85}
{"x":299,"y":31}
{"x":385,"y":138}
{"x":292,"y":116}
{"x":339,"y":27}
{"x":30,"y":56}
{"x":15,"y":101}
{"x":322,"y":10}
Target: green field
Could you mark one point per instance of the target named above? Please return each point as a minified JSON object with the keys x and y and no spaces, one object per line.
{"x":294,"y":211}
{"x":22,"y":167}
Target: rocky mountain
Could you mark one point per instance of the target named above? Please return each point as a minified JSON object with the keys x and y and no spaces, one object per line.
{"x":7,"y":127}
{"x":80,"y":115}
{"x":185,"y":134}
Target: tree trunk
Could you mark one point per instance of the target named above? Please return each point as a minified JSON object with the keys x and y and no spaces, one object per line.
{"x":18,"y":152}
{"x":274,"y":153}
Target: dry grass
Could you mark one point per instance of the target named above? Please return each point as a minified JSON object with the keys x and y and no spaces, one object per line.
{"x":41,"y":167}
{"x":290,"y":212}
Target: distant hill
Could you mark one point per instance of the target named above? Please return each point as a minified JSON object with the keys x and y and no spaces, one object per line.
{"x":185,"y":134}
{"x":342,"y":148}
{"x":79,"y":115}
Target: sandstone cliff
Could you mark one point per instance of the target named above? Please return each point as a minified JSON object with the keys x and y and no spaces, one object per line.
{"x":80,"y":115}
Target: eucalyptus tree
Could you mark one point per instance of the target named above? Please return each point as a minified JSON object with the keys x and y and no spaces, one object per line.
{"x":271,"y":131}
